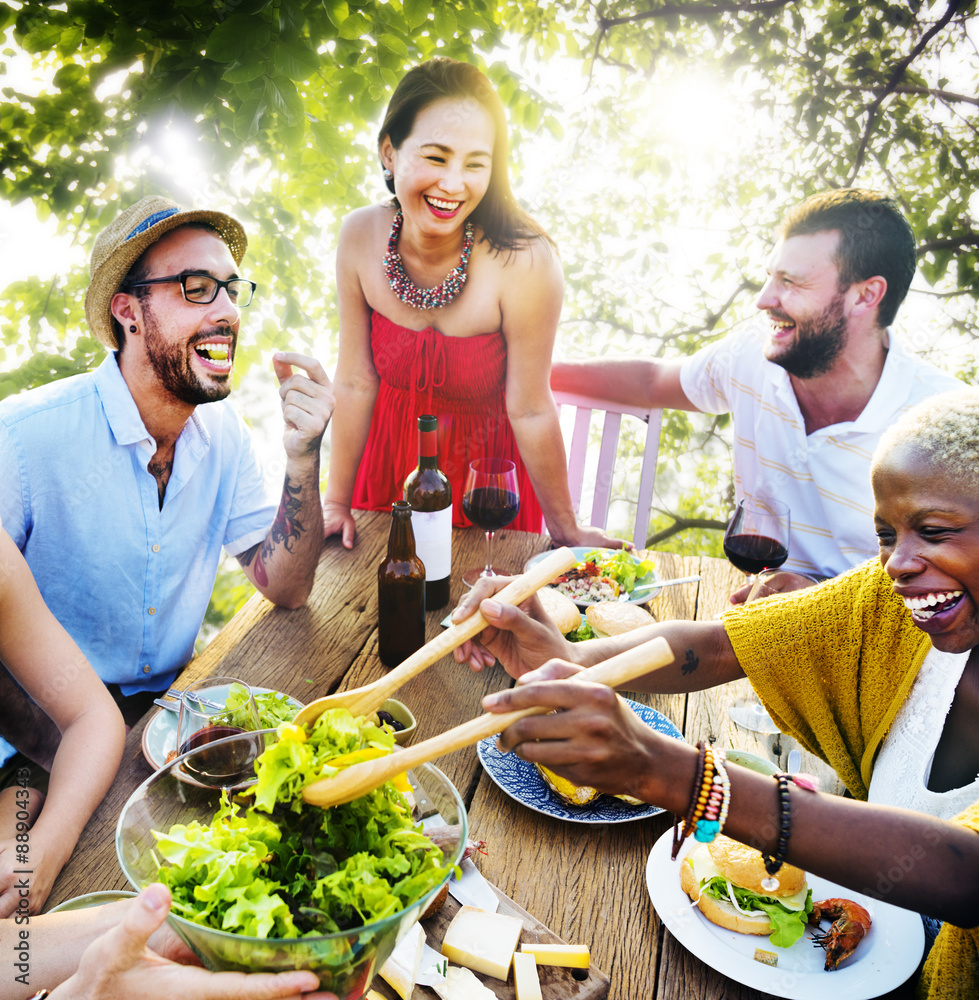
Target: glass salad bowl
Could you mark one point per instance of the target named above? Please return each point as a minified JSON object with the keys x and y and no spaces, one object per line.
{"x":345,"y":961}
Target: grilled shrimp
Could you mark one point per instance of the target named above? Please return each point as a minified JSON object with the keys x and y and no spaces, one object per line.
{"x":850,"y":924}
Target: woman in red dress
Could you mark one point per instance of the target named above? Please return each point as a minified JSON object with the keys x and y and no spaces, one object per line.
{"x":449,"y":302}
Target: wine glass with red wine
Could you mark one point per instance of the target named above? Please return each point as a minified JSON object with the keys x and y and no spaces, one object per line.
{"x":205,"y":718}
{"x":491,"y":500}
{"x":757,"y":540}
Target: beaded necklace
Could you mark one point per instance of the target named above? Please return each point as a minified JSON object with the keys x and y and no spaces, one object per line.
{"x":407,"y":290}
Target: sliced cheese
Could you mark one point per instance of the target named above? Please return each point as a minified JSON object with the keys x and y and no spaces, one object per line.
{"x":705,"y":869}
{"x":568,"y":956}
{"x":373,"y":995}
{"x":401,"y":968}
{"x":461,"y":984}
{"x":482,"y":941}
{"x":525,"y":978}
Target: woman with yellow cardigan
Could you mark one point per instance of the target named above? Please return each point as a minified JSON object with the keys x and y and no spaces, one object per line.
{"x":875,"y":671}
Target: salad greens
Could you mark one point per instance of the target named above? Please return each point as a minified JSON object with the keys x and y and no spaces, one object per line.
{"x":582,"y":633}
{"x":788,"y":926}
{"x":282,"y":868}
{"x":274,"y":707}
{"x":620,"y":565}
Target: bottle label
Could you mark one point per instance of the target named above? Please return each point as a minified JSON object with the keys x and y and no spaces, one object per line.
{"x":433,"y":541}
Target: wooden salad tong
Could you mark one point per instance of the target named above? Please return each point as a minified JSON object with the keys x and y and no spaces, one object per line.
{"x":358,"y":779}
{"x":369,"y":698}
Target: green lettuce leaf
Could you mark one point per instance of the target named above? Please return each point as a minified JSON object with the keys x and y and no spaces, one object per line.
{"x":274,"y":707}
{"x":582,"y":633}
{"x":621,"y":566}
{"x":282,"y":868}
{"x":788,"y":926}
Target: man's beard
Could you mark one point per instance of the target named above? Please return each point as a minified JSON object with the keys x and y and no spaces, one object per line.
{"x":172,"y":365}
{"x":817,"y":345}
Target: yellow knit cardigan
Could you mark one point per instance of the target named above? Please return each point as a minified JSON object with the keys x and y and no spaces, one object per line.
{"x":833,"y":664}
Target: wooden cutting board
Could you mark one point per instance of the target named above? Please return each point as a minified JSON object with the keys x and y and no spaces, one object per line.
{"x":556,"y":984}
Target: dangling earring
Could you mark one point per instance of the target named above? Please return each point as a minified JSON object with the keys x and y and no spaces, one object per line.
{"x":132,"y":327}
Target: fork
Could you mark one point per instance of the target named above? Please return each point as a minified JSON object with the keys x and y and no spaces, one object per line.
{"x":176,"y":694}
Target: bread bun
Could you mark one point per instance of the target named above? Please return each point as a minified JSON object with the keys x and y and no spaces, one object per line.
{"x":560,"y":609}
{"x":744,"y":866}
{"x":719,"y":911}
{"x":616,"y":617}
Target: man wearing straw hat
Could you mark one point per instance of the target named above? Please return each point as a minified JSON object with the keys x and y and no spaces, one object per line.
{"x":122,"y":485}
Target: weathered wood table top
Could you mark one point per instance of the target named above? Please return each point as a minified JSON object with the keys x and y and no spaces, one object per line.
{"x":584,"y":882}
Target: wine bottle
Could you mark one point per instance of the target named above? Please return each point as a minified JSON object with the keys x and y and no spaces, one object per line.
{"x":400,"y":592}
{"x":430,"y":494}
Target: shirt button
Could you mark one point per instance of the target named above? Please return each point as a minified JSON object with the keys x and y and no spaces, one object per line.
{"x":152,"y":611}
{"x":156,"y":548}
{"x":146,"y":668}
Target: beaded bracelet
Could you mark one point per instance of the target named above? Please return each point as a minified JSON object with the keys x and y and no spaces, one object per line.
{"x":715,"y":814}
{"x":701,"y":793}
{"x":678,"y":837}
{"x":774,"y":862}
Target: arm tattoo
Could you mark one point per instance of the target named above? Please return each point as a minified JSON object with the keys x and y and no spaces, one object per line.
{"x":286,"y":528}
{"x":690,"y":662}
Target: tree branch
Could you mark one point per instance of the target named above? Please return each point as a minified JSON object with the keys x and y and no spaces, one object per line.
{"x":970,"y":239}
{"x":951,"y":11}
{"x":681,"y":524}
{"x":945,"y":95}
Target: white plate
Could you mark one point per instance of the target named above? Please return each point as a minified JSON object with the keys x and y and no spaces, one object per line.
{"x":886,"y":957}
{"x":645,"y":589}
{"x":160,"y":734}
{"x":522,"y":781}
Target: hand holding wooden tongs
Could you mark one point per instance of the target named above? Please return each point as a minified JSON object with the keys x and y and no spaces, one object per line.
{"x":367,"y":699}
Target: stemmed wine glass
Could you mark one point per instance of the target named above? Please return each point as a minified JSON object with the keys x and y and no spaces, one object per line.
{"x":491,"y":500}
{"x":756,"y":541}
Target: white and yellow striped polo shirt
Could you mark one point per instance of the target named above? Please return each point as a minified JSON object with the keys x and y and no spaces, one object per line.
{"x":823,"y":477}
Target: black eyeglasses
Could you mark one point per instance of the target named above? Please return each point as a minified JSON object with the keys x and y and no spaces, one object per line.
{"x":202,"y":289}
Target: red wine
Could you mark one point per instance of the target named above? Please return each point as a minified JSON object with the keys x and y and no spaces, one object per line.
{"x":753,"y":553}
{"x":227,"y":764}
{"x":489,"y":508}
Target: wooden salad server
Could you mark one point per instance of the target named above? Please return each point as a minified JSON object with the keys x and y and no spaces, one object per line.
{"x":369,"y":698}
{"x":358,"y":779}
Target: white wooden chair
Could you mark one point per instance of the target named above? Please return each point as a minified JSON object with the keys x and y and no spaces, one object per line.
{"x":578,"y":451}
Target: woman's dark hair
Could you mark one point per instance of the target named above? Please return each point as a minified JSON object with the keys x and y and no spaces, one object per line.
{"x":503,"y":222}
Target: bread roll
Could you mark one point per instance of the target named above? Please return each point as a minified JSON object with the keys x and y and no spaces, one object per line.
{"x":720,"y":912}
{"x":561,"y":609}
{"x":743,"y":866}
{"x":616,"y":617}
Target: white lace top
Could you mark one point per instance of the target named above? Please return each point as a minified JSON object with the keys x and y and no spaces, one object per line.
{"x":903,"y":765}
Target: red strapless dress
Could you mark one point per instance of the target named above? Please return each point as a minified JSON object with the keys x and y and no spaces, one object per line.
{"x":462,"y":381}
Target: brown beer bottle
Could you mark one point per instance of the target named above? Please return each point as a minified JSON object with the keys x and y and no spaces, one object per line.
{"x":400,"y":592}
{"x":430,"y":494}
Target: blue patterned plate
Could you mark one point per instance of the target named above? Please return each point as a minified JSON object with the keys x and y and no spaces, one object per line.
{"x":522,"y":781}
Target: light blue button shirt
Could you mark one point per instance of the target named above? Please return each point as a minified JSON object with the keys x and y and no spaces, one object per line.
{"x":130,"y":582}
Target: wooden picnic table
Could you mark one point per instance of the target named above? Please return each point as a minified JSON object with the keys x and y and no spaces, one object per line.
{"x":584,"y":882}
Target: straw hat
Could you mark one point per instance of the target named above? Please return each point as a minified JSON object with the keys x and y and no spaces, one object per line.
{"x":123,"y":242}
